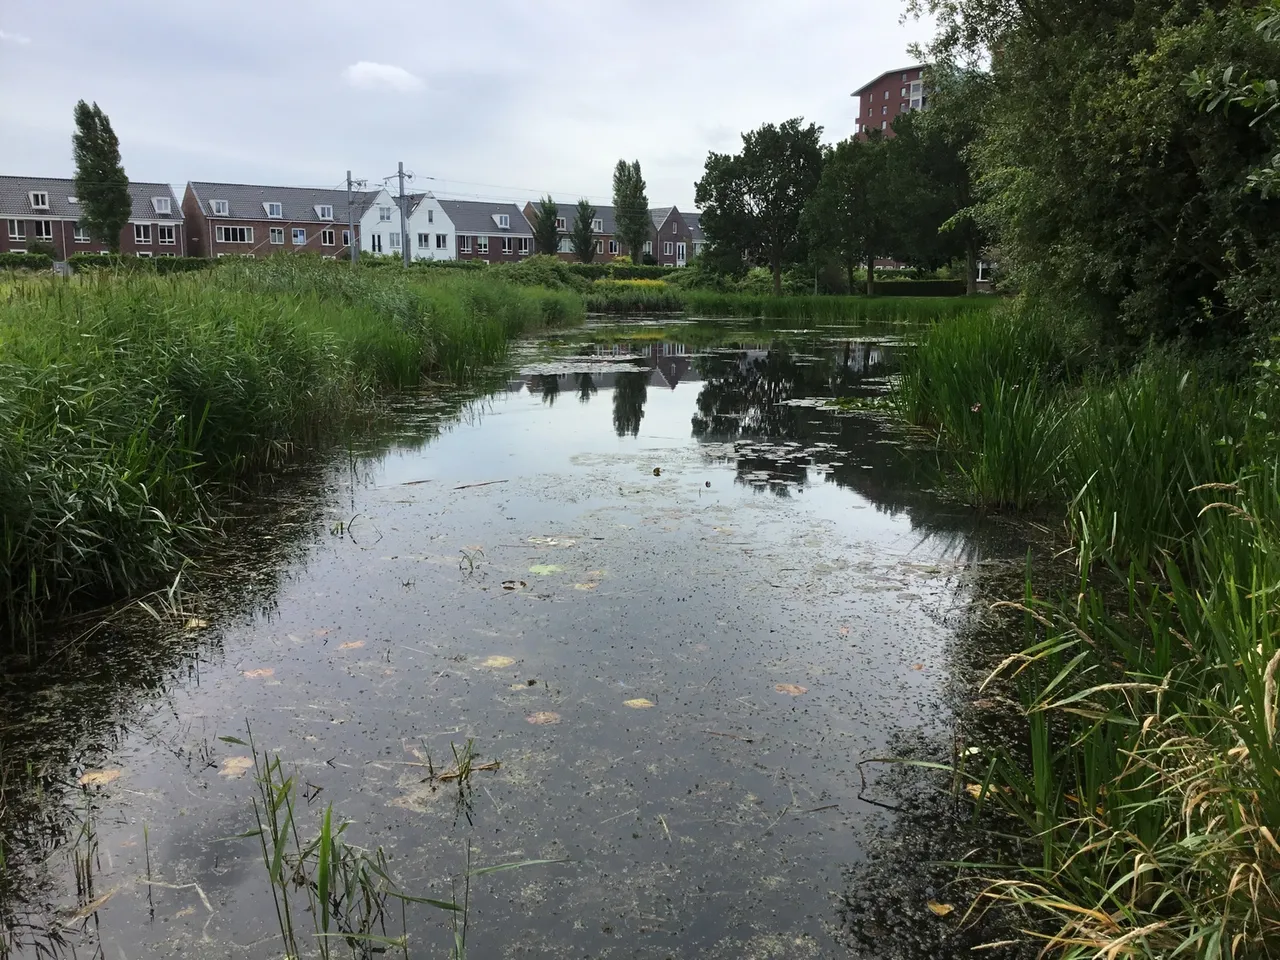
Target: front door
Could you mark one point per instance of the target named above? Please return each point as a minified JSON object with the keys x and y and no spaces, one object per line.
{"x":680,"y":254}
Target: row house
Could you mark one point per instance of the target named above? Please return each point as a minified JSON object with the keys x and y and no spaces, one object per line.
{"x":494,"y":232}
{"x":604,"y":226}
{"x":671,"y":243}
{"x":46,"y":209}
{"x":888,"y":96}
{"x":249,"y":220}
{"x":671,"y":237}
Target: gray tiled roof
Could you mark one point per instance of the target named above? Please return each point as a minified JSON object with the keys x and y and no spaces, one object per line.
{"x":15,"y":202}
{"x":694,"y":222}
{"x":245,"y":201}
{"x":659,"y":215}
{"x":475,"y":217}
{"x":608,"y":222}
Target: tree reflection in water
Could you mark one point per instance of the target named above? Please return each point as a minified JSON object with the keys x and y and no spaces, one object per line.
{"x":586,"y":387}
{"x":630,"y":391}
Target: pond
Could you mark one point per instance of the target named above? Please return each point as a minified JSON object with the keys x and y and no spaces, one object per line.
{"x":676,"y":580}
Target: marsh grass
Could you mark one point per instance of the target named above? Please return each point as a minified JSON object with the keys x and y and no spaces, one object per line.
{"x":129,"y":402}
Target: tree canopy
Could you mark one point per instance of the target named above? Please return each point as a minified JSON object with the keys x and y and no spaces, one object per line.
{"x":631,"y":207}
{"x":546,"y":238}
{"x":101,"y":185}
{"x":583,"y":235}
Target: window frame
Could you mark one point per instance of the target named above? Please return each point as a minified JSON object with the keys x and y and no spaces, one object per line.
{"x":44,"y":229}
{"x":346,"y":237}
{"x":17,"y":230}
{"x":562,"y":223}
{"x":508,"y":247}
{"x":162,"y":204}
{"x":273,"y":233}
{"x":464,"y":244}
{"x":424,"y":241}
{"x":171,"y":239}
{"x":293,"y":236}
{"x":321,"y":208}
{"x":482,"y":245}
{"x":327,"y":237}
{"x":31,"y":196}
{"x":221,"y":208}
{"x":522,"y":247}
{"x":384,"y":214}
{"x":442,"y":241}
{"x":614,"y":248}
{"x":597,"y":225}
{"x":275,"y":209}
{"x":221,"y":230}
{"x":79,"y":234}
{"x":504,"y":221}
{"x":668,"y":248}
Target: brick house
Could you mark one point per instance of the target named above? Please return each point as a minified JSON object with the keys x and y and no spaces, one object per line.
{"x":46,"y":208}
{"x":240,"y":219}
{"x":888,"y":96}
{"x":605,"y":226}
{"x":697,"y":239}
{"x":672,"y":238}
{"x":495,"y":232}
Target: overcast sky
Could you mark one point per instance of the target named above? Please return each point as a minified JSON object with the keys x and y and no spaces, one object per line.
{"x":499,"y":98}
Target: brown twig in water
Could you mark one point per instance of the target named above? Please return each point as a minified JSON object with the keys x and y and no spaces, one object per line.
{"x":731,"y":736}
{"x":485,"y":483}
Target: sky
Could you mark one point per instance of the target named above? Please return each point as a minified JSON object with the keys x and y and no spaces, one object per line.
{"x":501,"y":99}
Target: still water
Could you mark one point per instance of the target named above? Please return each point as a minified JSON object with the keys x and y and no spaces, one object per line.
{"x":657,"y":573}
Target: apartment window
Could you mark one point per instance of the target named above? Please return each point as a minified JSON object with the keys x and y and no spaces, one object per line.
{"x":325,"y":211}
{"x":648,"y":247}
{"x":375,"y":243}
{"x":393,"y":240}
{"x":906,"y":77}
{"x":274,"y":210}
{"x":902,"y":107}
{"x":599,"y":246}
{"x":326,"y":238}
{"x":39,"y":200}
{"x":81,"y":234}
{"x":276,"y":235}
{"x":221,"y":208}
{"x":504,"y":221}
{"x":613,"y":247}
{"x":884,"y":124}
{"x":299,"y":236}
{"x":903,"y":93}
{"x":886,"y":94}
{"x":346,"y":238}
{"x":17,"y":229}
{"x":560,"y":223}
{"x":233,"y":234}
{"x":482,"y":245}
{"x":44,"y":229}
{"x":143,"y":253}
{"x":883,"y":111}
{"x":523,"y":246}
{"x":442,"y":241}
{"x":165,"y":233}
{"x":384,"y":214}
{"x":506,"y":244}
{"x":917,"y":95}
{"x":668,"y":248}
{"x":424,"y":241}
{"x":431,"y":216}
{"x":597,"y":226}
{"x":162,"y":204}
{"x":465,"y":244}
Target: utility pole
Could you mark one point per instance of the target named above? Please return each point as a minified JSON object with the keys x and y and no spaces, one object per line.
{"x":404,"y":219}
{"x":354,"y":245}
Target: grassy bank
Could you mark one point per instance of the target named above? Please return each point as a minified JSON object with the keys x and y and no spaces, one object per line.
{"x":129,"y":402}
{"x":1147,"y":776}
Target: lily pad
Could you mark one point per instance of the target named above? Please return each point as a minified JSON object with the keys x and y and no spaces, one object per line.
{"x":543,"y":717}
{"x":235,"y":766}
{"x":98,"y":778}
{"x":545,"y":569}
{"x":351,"y":645}
{"x":260,"y":673}
{"x":790,"y":689}
{"x":497,"y":662}
{"x":639,"y":703}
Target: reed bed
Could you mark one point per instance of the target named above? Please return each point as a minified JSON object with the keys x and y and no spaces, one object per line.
{"x":129,"y":402}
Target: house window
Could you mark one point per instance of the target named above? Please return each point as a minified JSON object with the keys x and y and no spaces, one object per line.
{"x":17,"y":229}
{"x":142,"y":233}
{"x":613,"y":246}
{"x":276,"y":234}
{"x":165,"y":233}
{"x":325,"y":211}
{"x":44,"y":229}
{"x":326,"y":238}
{"x":506,"y":244}
{"x":384,"y":214}
{"x":346,"y":238}
{"x":39,"y":200}
{"x":883,"y":124}
{"x":524,"y":246}
{"x":466,"y":244}
{"x":393,"y":240}
{"x":482,"y":245}
{"x":648,"y":247}
{"x":565,"y":245}
{"x":504,"y":221}
{"x":233,"y":234}
{"x":424,"y":241}
{"x":431,"y":216}
{"x":883,"y":111}
{"x":221,"y":208}
{"x":81,"y":233}
{"x":902,"y":107}
{"x":668,"y":248}
{"x":560,"y":223}
{"x":162,"y":204}
{"x":375,"y":243}
{"x":597,"y":226}
{"x":274,"y":210}
{"x":599,"y":246}
{"x":886,"y":94}
{"x":906,"y":77}
{"x":299,"y":236}
{"x":143,"y":253}
{"x":442,"y":241}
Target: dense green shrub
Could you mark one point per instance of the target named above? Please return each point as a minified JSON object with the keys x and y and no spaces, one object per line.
{"x":542,"y":270}
{"x":43,"y":248}
{"x":25,"y":261}
{"x":118,"y":261}
{"x":614,"y":296}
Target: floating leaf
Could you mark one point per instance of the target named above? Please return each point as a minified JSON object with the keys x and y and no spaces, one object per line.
{"x":543,"y":717}
{"x":657,"y":471}
{"x":939,"y":909}
{"x":514,"y":584}
{"x":639,"y":703}
{"x":98,"y":778}
{"x":235,"y":766}
{"x":195,"y":623}
{"x":497,"y":662}
{"x":545,"y":569}
{"x":585,"y":586}
{"x":844,"y":631}
{"x":791,"y":689}
{"x":260,"y":673}
{"x":917,"y":666}
{"x":351,"y":645}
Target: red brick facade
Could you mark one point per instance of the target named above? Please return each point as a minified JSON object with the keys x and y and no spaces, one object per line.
{"x":887,"y":97}
{"x":494,"y":247}
{"x":260,"y":237}
{"x":152,"y":239}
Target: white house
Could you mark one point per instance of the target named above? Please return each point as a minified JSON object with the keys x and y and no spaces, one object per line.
{"x":431,"y":231}
{"x":380,"y":225}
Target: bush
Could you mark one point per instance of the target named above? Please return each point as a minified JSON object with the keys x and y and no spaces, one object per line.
{"x":542,"y":270}
{"x":25,"y":261}
{"x":636,"y":296}
{"x":43,"y":248}
{"x":116,"y":261}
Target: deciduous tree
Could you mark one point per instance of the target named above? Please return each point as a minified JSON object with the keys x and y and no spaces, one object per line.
{"x":546,"y":238}
{"x":101,"y":185}
{"x":631,"y":207}
{"x":584,"y":234}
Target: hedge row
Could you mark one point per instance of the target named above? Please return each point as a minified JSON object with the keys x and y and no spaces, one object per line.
{"x":620,"y":270}
{"x":919,"y":288}
{"x":116,"y":261}
{"x":25,"y":261}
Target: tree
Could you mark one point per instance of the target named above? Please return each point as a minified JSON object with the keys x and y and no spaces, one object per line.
{"x":631,"y":207}
{"x":583,"y":236}
{"x":752,"y":201}
{"x":101,"y":185}
{"x":546,"y":238}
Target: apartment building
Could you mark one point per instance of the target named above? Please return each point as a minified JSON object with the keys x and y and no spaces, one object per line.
{"x":47,"y":209}
{"x":252,"y":220}
{"x":888,"y":96}
{"x":492,"y":231}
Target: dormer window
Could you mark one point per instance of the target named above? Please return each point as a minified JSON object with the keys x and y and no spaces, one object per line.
{"x":39,"y":200}
{"x":275,"y":210}
{"x":162,"y":204}
{"x":504,"y":221}
{"x":560,"y":223}
{"x":221,"y":208}
{"x":597,"y":226}
{"x":325,"y":211}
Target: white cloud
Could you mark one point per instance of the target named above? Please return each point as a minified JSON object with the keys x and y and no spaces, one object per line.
{"x":373,"y":76}
{"x":17,"y":38}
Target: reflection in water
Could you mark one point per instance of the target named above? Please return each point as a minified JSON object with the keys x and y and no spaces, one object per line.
{"x":630,"y":391}
{"x":550,"y":387}
{"x":586,"y":387}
